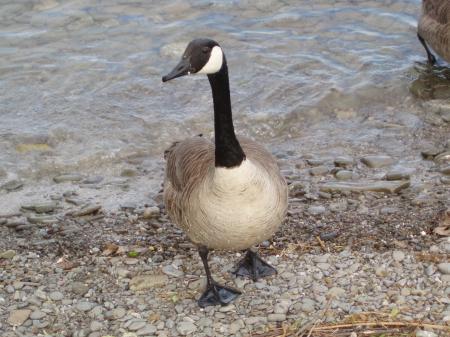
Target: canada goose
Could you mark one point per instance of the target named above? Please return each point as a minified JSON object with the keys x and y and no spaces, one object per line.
{"x":227,"y":193}
{"x":434,"y":28}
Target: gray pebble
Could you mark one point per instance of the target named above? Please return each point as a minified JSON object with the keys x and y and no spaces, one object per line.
{"x":170,"y":270}
{"x":84,"y":306}
{"x":316,"y":210}
{"x":398,"y":255}
{"x":276,"y":317}
{"x":136,"y":325}
{"x":186,"y":328}
{"x":444,"y":268}
{"x":56,"y":296}
{"x":147,"y":330}
{"x":96,"y":326}
{"x":37,"y":314}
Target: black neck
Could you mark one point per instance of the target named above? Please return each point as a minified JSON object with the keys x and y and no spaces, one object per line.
{"x":228,"y":150}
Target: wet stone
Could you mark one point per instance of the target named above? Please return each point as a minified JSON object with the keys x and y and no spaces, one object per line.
{"x":344,"y":175}
{"x":444,"y":267}
{"x":442,"y":158}
{"x":376,"y":186}
{"x":377,"y":161}
{"x":445,"y":170}
{"x":67,"y":178}
{"x":11,"y":185}
{"x":343,"y":161}
{"x":319,"y":171}
{"x":316,"y":210}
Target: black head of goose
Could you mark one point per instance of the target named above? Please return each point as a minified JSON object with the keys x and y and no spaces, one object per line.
{"x":434,"y":28}
{"x":226,"y":193}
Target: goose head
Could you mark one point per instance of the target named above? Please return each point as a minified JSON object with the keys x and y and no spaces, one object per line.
{"x":202,"y":56}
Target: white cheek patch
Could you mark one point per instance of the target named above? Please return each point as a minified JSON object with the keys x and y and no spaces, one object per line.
{"x":214,"y":63}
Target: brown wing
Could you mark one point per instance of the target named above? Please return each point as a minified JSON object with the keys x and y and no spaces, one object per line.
{"x":187,"y":165}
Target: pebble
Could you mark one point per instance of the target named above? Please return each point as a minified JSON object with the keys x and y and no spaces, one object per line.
{"x":424,"y":333}
{"x":41,"y":207}
{"x":276,"y":317}
{"x":79,"y":288}
{"x":398,"y":174}
{"x":282,"y":307}
{"x":398,"y":255}
{"x":84,"y":306}
{"x":344,"y":175}
{"x":373,"y":186}
{"x":7,"y":254}
{"x":136,"y":325}
{"x":118,"y":313}
{"x":336,"y":292}
{"x":170,"y":270}
{"x":318,"y":171}
{"x":151,"y":212}
{"x":316,"y":210}
{"x":87,"y":210}
{"x":143,"y":282}
{"x":377,"y":161}
{"x":96,"y":326}
{"x":11,"y":185}
{"x":444,"y":267}
{"x":56,"y":296}
{"x":343,"y":161}
{"x":37,"y":314}
{"x":67,"y":178}
{"x":308,"y":305}
{"x":147,"y":330}
{"x":445,"y":170}
{"x":185,"y":328}
{"x":18,"y":317}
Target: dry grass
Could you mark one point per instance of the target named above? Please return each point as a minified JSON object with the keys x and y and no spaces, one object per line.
{"x":368,"y":324}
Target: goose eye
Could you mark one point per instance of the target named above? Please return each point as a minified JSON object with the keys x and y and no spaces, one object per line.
{"x":205,"y":50}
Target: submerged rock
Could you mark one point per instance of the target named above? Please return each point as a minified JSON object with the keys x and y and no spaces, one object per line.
{"x":377,"y":161}
{"x":373,"y":186}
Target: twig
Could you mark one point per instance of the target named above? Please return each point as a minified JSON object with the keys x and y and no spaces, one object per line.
{"x":321,"y":243}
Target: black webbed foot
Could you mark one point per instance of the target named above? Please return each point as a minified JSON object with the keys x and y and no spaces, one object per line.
{"x":254,"y":267}
{"x":216,"y":294}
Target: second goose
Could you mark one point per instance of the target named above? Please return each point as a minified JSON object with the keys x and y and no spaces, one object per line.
{"x":226,"y":193}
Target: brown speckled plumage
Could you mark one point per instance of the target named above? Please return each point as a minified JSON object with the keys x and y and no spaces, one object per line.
{"x":434,"y":26}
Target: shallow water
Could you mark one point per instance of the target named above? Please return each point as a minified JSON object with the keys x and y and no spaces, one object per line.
{"x":81,"y":90}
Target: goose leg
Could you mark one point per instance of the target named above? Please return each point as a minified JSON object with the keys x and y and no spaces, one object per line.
{"x":431,"y":58}
{"x":253,"y":266}
{"x":215,"y":293}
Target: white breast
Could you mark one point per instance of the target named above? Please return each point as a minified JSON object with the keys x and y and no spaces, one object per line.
{"x":236,"y":208}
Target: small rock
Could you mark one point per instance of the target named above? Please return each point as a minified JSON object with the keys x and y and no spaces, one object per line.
{"x":147,"y":330}
{"x":143,"y":282}
{"x":344,"y":175}
{"x":343,"y":161}
{"x":316,"y":210}
{"x":41,"y":207}
{"x":336,"y":292}
{"x":170,"y":270}
{"x":96,"y":326}
{"x":319,"y":171}
{"x":79,"y":288}
{"x":444,"y":267}
{"x":308,"y":305}
{"x":67,"y":178}
{"x":37,"y":314}
{"x":56,"y":296}
{"x":399,"y":174}
{"x":276,"y":317}
{"x":398,"y":255}
{"x":18,"y":317}
{"x":151,"y":212}
{"x":377,"y":161}
{"x":87,"y":210}
{"x":118,"y":313}
{"x":84,"y":306}
{"x":11,"y":185}
{"x":8,"y":254}
{"x":282,"y":307}
{"x":136,"y":325}
{"x":445,"y":170}
{"x":373,"y":186}
{"x":423,"y":333}
{"x":186,"y":328}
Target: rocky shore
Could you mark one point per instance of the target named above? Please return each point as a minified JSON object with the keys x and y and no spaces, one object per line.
{"x":358,"y":240}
